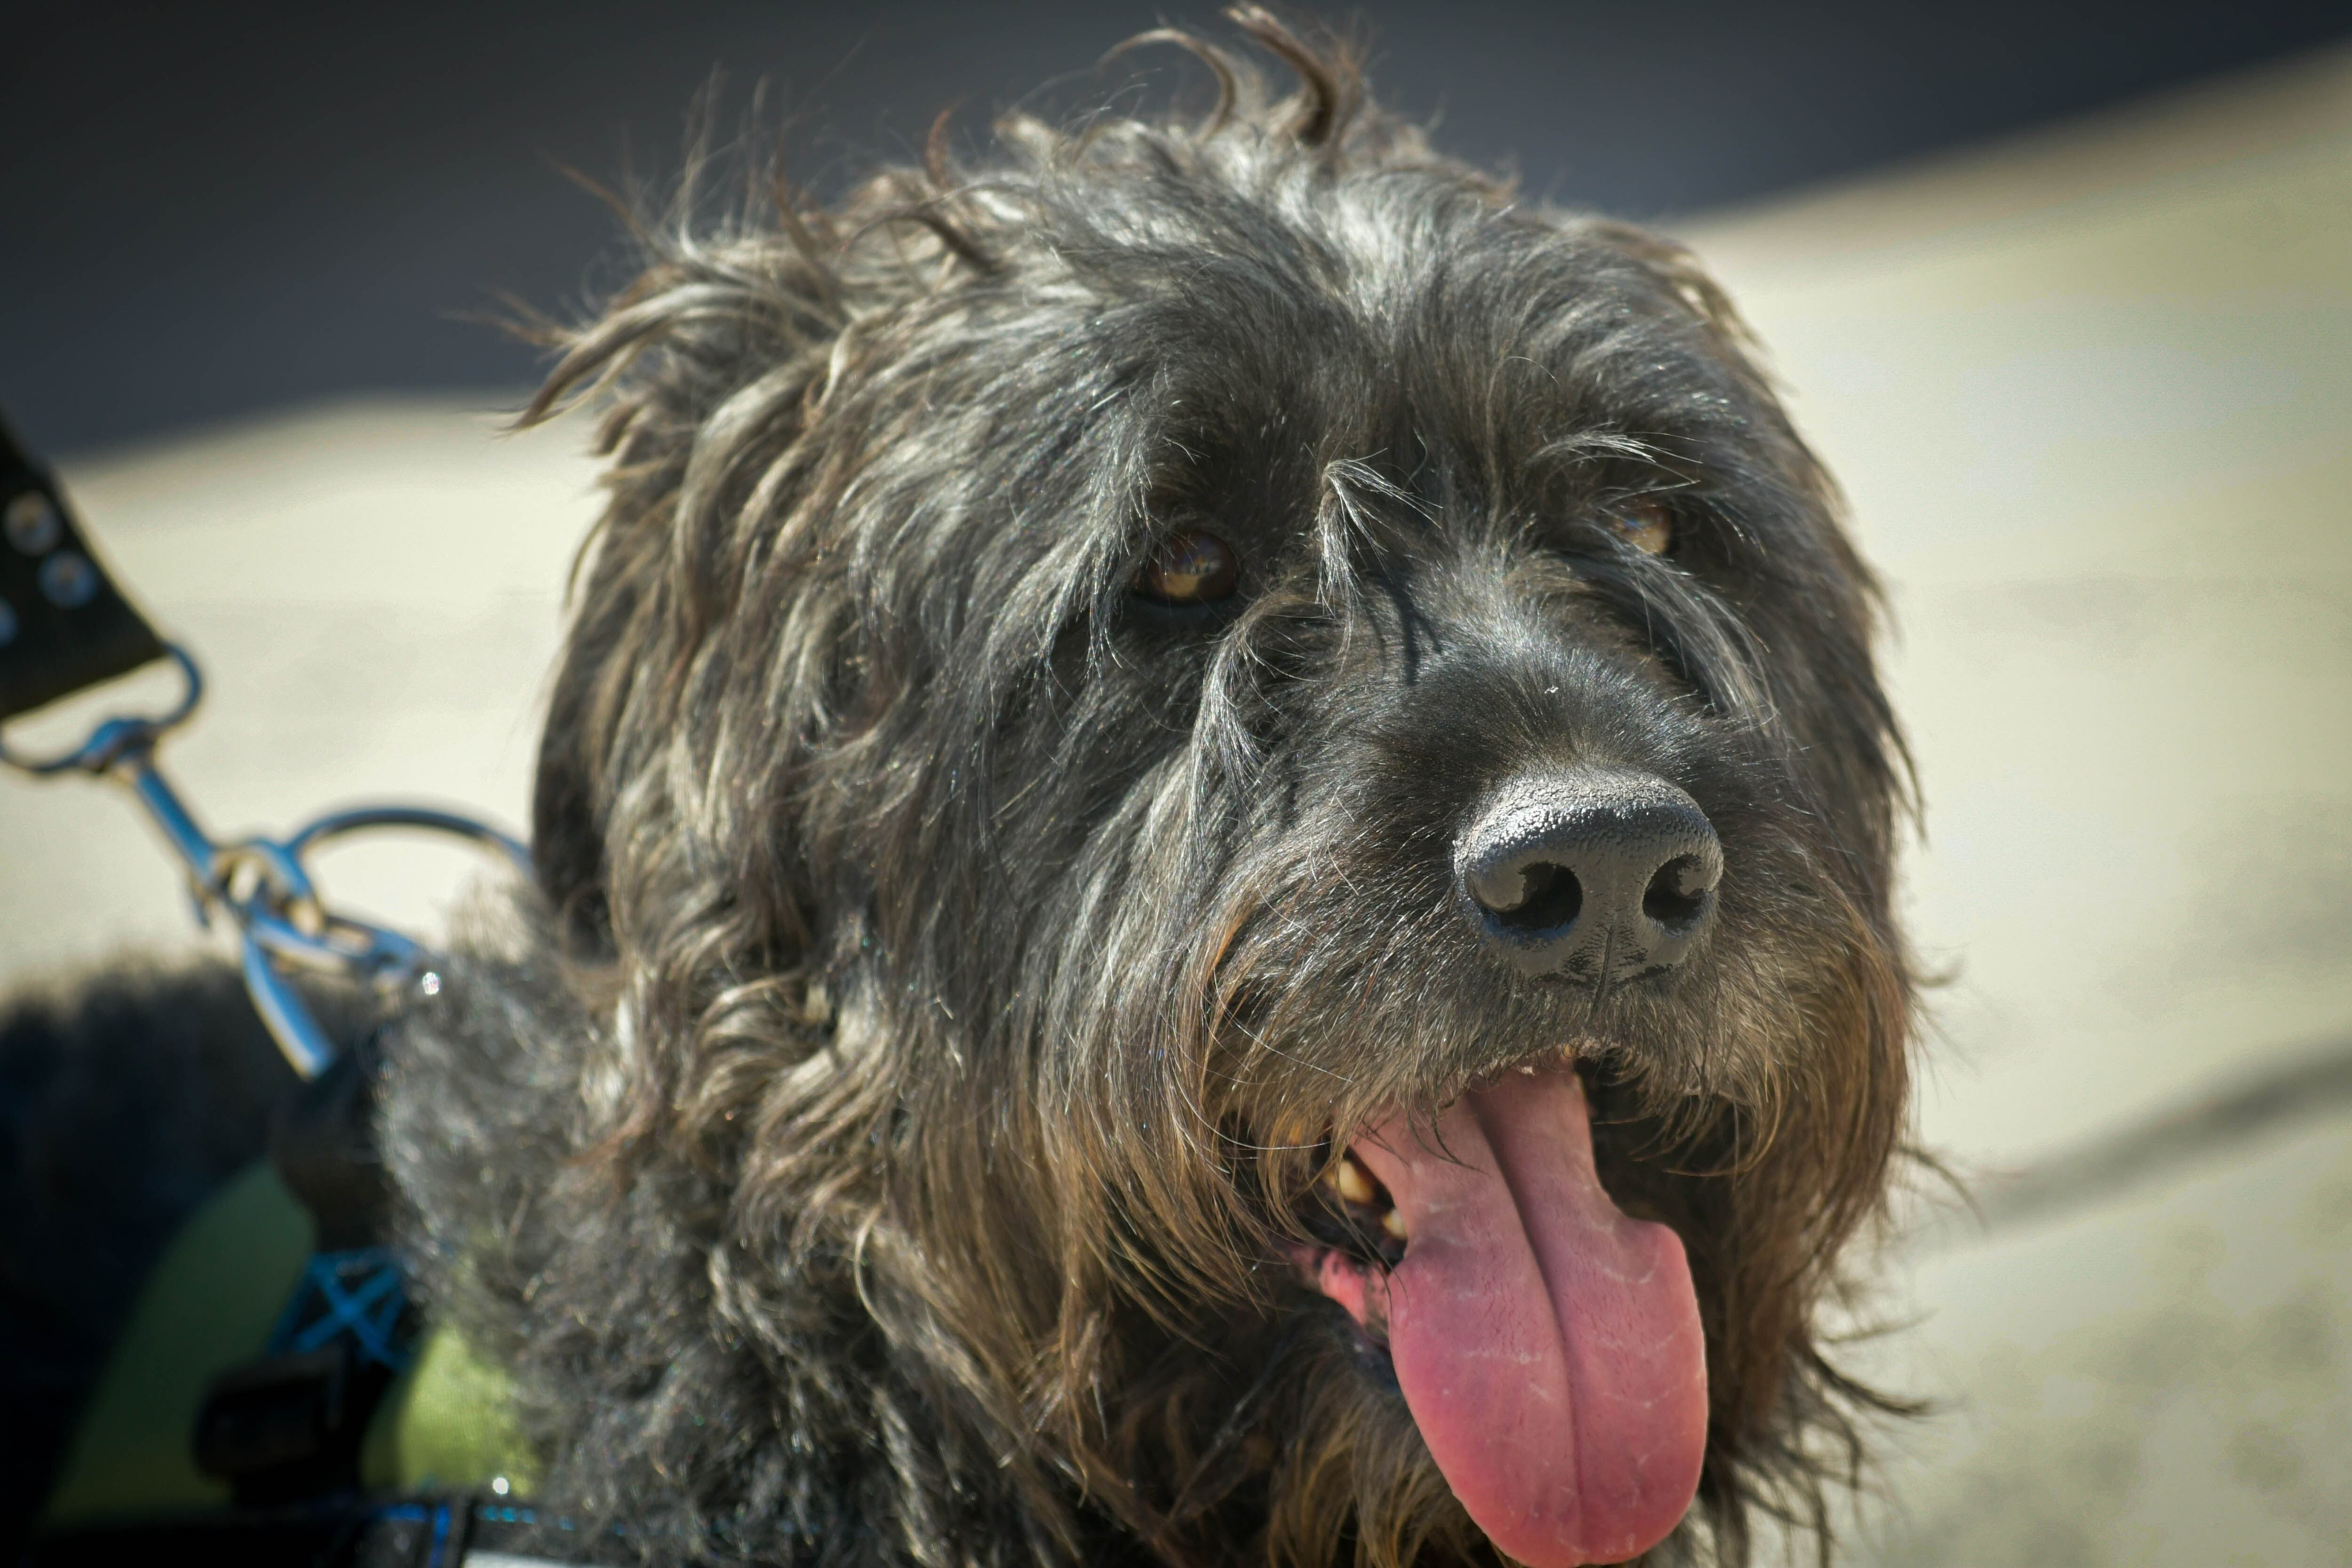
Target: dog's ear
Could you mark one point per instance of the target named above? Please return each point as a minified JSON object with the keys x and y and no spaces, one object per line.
{"x":714,"y":368}
{"x":709,"y":368}
{"x":567,"y":833}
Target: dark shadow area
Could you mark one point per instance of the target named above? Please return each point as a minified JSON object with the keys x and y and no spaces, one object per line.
{"x":212,"y":209}
{"x":2228,"y":1116}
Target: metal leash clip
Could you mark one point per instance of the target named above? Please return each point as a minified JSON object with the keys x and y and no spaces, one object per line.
{"x":66,"y":642}
{"x":261,"y":886}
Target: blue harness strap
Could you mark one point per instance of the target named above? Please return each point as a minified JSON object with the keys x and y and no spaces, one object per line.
{"x":280,"y":1436}
{"x":289,"y":1426}
{"x":359,"y":1294}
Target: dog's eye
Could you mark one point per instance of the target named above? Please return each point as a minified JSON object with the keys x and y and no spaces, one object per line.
{"x":1645,"y":525}
{"x":1192,"y":568}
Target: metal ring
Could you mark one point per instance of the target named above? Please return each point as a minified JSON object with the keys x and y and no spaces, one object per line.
{"x":114,"y":736}
{"x":364,"y":951}
{"x":365,"y":818}
{"x":282,"y":883}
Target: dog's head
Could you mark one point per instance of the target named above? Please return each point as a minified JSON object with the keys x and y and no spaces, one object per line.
{"x":1232,"y":789}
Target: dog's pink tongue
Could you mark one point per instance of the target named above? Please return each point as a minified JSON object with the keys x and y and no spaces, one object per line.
{"x":1548,"y":1347}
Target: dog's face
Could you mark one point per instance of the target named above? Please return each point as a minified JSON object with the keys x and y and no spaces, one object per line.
{"x":1240,"y":788}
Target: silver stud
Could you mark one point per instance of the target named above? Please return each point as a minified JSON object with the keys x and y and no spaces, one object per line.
{"x":32,"y":524}
{"x":68,"y":580}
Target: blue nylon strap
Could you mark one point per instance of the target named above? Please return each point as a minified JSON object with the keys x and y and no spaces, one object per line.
{"x":358,"y":1293}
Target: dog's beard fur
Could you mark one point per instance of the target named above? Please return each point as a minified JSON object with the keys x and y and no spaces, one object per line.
{"x":879,"y":1137}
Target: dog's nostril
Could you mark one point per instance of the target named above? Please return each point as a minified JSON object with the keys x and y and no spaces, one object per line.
{"x":1550,"y":897}
{"x":1678,"y":896}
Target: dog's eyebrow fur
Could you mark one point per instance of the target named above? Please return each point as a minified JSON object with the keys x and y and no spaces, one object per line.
{"x":876,"y":1137}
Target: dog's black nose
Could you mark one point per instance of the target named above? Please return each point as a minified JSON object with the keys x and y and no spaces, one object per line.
{"x":1590,"y":873}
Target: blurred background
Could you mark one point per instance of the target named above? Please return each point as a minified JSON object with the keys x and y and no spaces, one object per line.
{"x":2062,"y":292}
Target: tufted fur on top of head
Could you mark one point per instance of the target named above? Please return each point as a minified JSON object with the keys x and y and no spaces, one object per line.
{"x":873,"y":1139}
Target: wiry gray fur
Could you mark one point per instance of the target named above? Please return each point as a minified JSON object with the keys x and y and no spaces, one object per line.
{"x":872,"y":1140}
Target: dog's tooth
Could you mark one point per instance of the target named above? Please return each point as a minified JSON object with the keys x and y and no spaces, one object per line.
{"x":1353,"y":1183}
{"x":1393,"y":1222}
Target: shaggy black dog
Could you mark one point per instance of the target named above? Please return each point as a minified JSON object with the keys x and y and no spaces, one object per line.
{"x":1214,"y":857}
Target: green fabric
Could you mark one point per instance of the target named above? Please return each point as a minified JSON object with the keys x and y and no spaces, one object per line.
{"x":209,"y":1304}
{"x":446,"y":1426}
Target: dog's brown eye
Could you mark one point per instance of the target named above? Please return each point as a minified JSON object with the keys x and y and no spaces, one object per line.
{"x":1646,"y":526}
{"x":1192,"y":568}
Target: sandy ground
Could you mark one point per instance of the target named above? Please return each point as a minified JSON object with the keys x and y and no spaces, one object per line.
{"x":2089,"y":394}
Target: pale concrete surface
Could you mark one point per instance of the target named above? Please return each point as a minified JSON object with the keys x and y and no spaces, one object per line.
{"x":2094,"y":432}
{"x":374,"y":590}
{"x":2089,"y":394}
